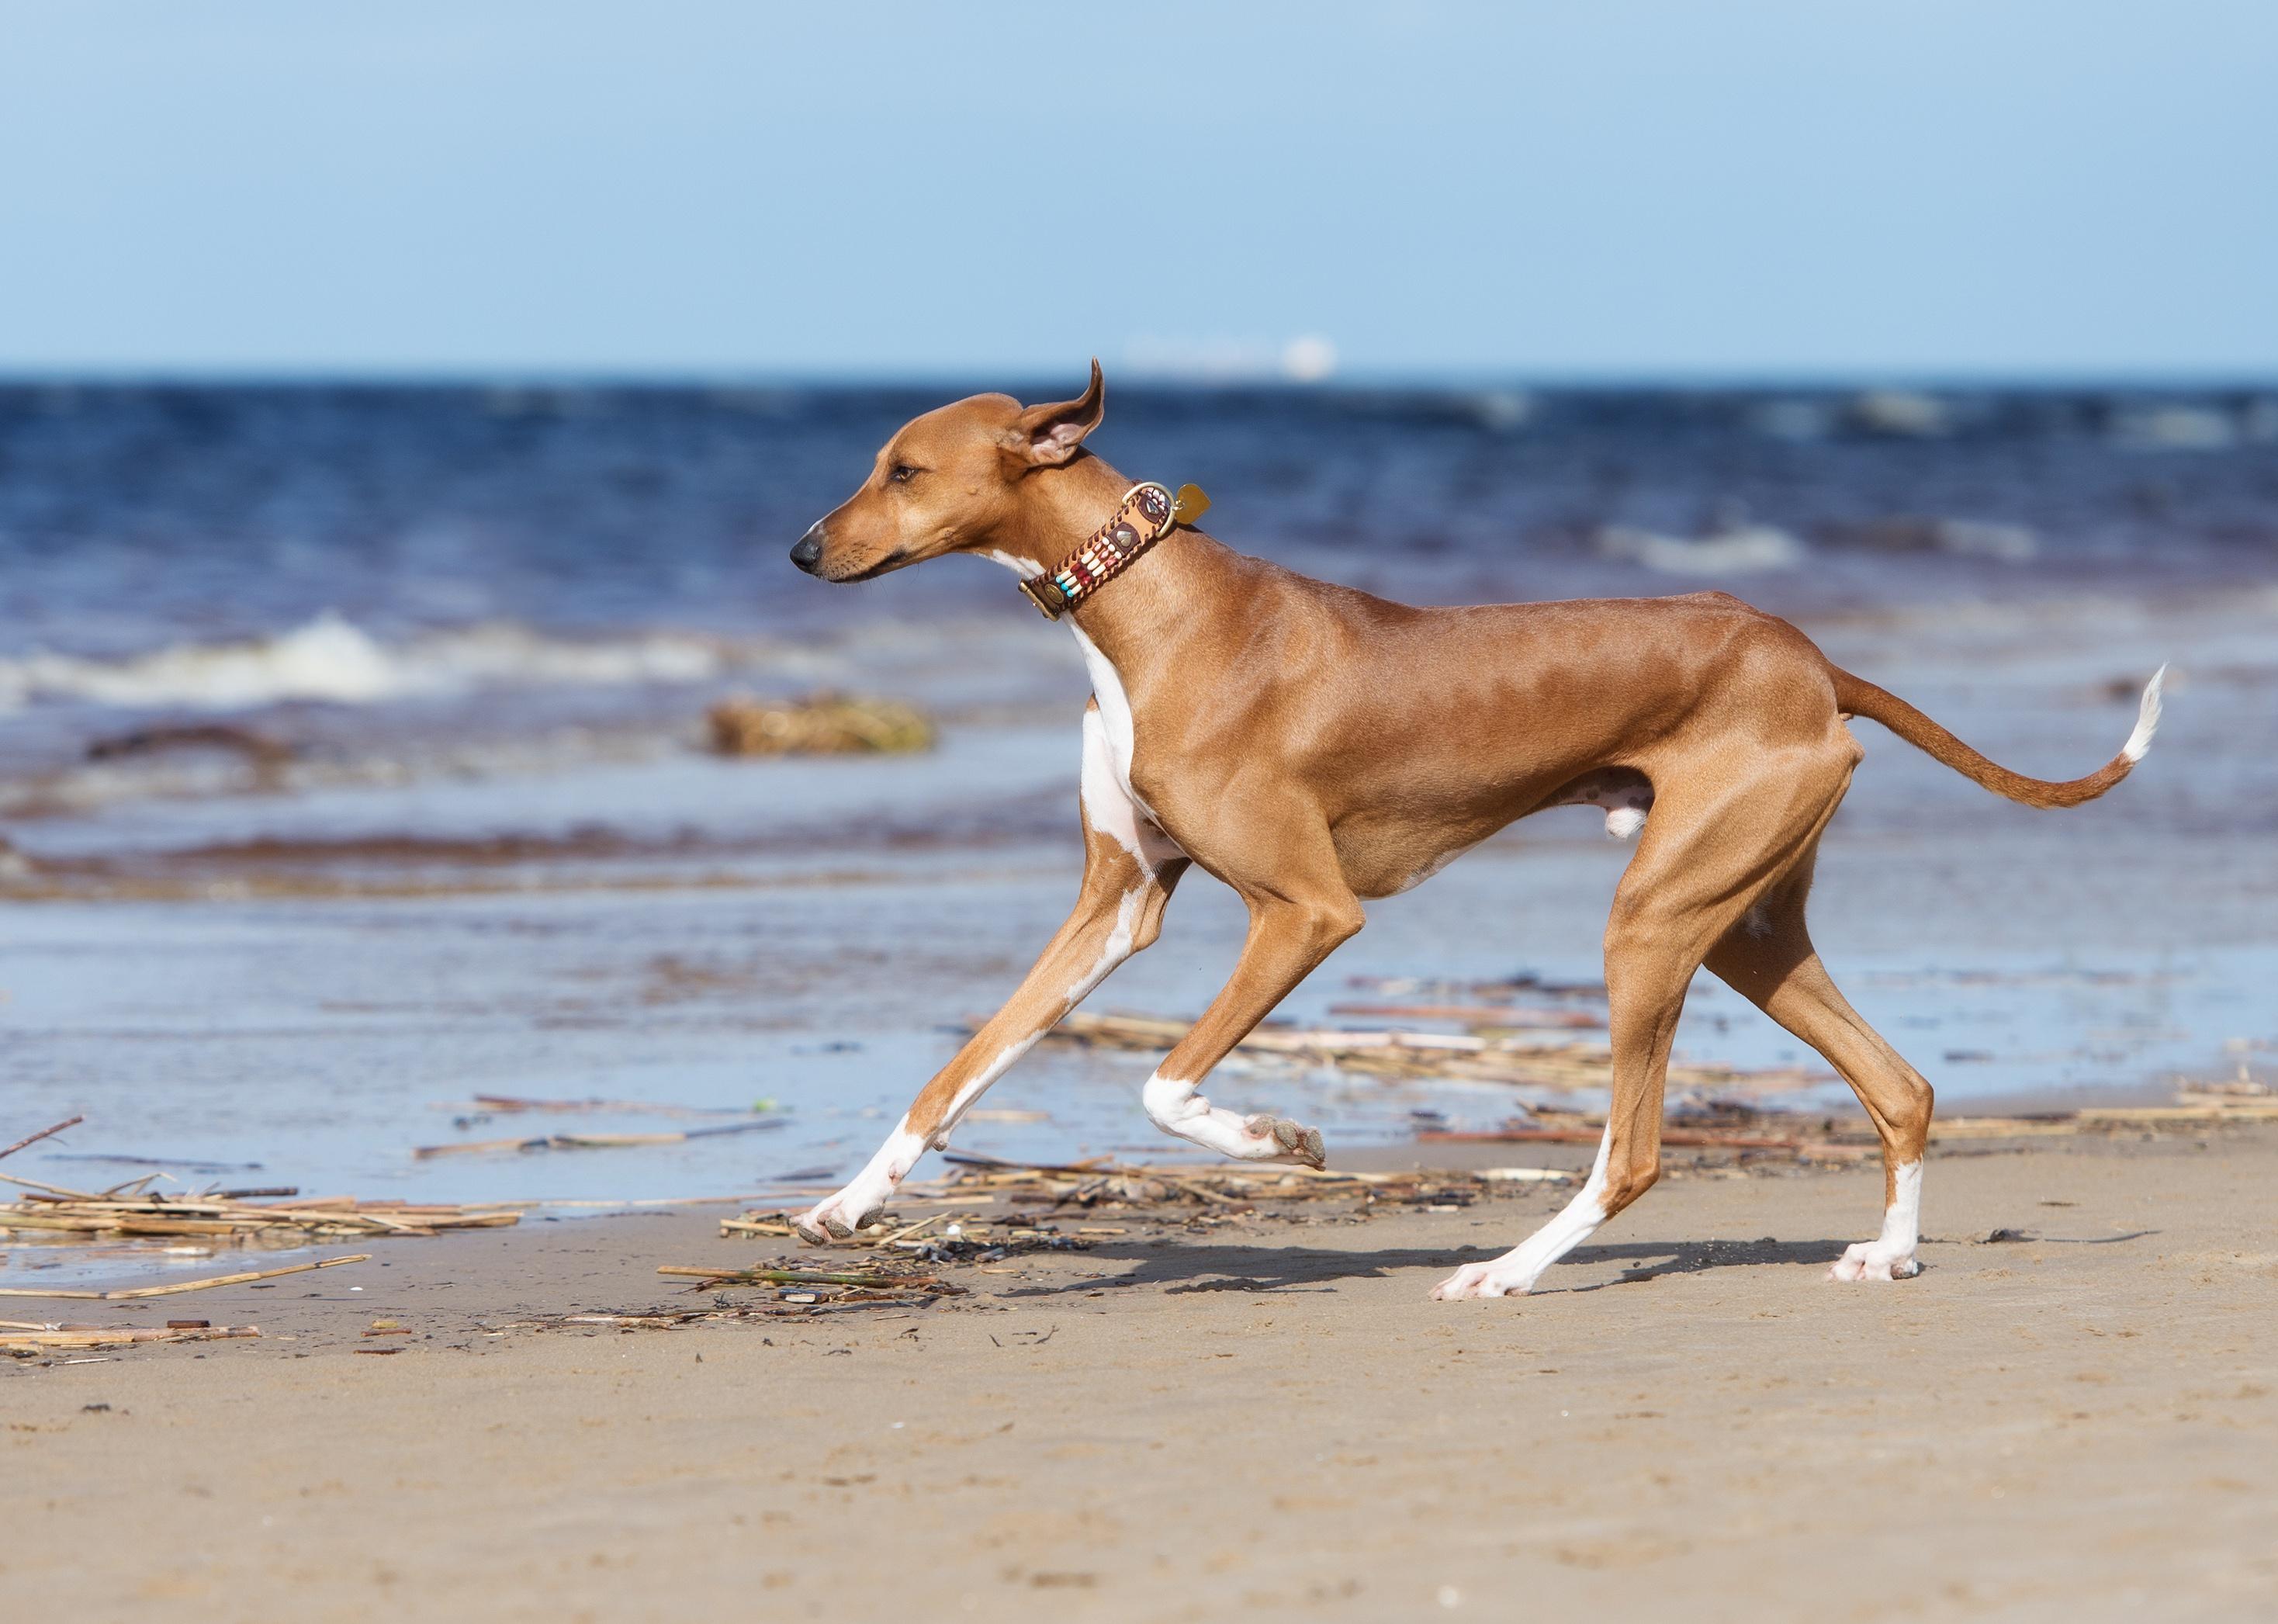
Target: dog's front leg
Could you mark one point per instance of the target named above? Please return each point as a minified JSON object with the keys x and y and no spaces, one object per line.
{"x":1287,"y":938}
{"x":1119,"y":912}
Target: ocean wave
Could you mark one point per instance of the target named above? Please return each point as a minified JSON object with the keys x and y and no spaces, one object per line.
{"x":331,"y":659}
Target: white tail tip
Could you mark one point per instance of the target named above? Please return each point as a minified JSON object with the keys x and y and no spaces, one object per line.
{"x":2147,"y":719}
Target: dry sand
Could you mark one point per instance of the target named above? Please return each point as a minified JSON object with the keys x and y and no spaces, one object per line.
{"x":1267,"y":1419}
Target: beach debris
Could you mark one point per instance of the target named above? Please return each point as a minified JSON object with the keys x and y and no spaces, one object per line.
{"x":1098,"y":1182}
{"x":1590,"y":1133}
{"x":793,"y":1303}
{"x":511,"y":1104}
{"x":807,"y":1289}
{"x":1102,"y":1183}
{"x":943,"y":1236}
{"x":1505,"y":990}
{"x":179,"y":1164}
{"x":1737,"y":1125}
{"x":231,"y":1215}
{"x":732,"y":1275}
{"x":2227,"y":1092}
{"x":1491,"y":1016}
{"x":1474,"y":1057}
{"x":592,"y":1141}
{"x":26,"y":1340}
{"x":171,"y":1288}
{"x":822,"y":724}
{"x":2105,"y":1119}
{"x":259,"y":748}
{"x":43,"y":1133}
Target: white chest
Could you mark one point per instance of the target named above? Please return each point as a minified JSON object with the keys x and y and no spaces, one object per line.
{"x":1107,"y":751}
{"x":1114,"y":709}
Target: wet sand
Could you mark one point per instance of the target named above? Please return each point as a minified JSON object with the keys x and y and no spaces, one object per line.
{"x":1267,"y":1418}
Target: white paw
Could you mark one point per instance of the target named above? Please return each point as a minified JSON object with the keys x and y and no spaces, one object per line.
{"x":860,"y":1205}
{"x":1277,"y":1138}
{"x":1480,"y":1280}
{"x":1864,"y":1261}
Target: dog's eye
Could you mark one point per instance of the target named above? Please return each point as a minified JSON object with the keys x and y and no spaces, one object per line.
{"x":902,"y":474}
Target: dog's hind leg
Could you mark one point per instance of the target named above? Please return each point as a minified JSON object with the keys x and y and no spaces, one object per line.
{"x":1128,"y":872}
{"x":1769,"y":959}
{"x":1708,"y":854}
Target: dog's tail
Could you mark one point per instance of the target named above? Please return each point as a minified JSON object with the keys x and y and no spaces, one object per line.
{"x":1857,"y":697}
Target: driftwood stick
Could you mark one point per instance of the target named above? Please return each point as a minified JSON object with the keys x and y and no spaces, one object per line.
{"x":998,"y":1164}
{"x":1681,"y":1136}
{"x":43,"y":1134}
{"x":1477,"y":1014}
{"x":909,"y":1230}
{"x":221,"y":1279}
{"x":518,"y":1102}
{"x":27,"y":1291}
{"x":57,"y":1189}
{"x":123,"y":1334}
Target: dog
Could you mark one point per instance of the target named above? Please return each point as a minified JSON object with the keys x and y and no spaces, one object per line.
{"x":1312,"y":747}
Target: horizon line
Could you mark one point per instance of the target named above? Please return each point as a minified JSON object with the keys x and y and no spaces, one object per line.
{"x":1674,"y":380}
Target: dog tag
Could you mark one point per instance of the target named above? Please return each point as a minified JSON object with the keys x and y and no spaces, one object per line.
{"x":1191,"y":504}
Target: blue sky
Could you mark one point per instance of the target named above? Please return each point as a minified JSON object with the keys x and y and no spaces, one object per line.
{"x":1610,"y":189}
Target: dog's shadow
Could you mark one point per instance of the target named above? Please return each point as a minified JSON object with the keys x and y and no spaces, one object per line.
{"x":1260,"y":1269}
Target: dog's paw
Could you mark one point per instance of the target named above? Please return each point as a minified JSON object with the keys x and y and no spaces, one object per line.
{"x":1480,"y":1280}
{"x":1280,"y":1139}
{"x":837,"y":1217}
{"x":1864,"y":1261}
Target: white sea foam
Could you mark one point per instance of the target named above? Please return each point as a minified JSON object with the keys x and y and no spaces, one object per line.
{"x":1740,"y":549}
{"x":332,"y":659}
{"x":1901,"y":413}
{"x":2177,"y":425}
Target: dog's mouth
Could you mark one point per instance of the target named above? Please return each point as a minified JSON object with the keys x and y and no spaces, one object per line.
{"x":894,"y":559}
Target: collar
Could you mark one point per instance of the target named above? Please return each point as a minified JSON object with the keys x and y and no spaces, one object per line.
{"x":1148,"y":512}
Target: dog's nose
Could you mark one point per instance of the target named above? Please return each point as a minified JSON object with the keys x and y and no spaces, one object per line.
{"x":810,"y":550}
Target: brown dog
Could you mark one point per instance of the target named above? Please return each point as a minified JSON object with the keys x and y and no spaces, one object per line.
{"x":1311,"y":746}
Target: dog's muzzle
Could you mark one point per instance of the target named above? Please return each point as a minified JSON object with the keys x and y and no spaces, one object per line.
{"x":809,"y":552}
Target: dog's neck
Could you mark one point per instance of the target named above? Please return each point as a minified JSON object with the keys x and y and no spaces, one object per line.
{"x":1057,"y":508}
{"x":1137,"y":617}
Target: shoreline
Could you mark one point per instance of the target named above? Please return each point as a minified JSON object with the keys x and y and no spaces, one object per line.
{"x":1733,"y":1141}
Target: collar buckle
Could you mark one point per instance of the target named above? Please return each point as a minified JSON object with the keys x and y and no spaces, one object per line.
{"x":1045,"y":593}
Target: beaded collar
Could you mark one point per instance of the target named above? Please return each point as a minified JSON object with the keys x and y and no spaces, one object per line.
{"x":1147,"y":513}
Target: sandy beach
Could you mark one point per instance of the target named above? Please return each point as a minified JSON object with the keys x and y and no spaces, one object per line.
{"x":1265,"y":1418}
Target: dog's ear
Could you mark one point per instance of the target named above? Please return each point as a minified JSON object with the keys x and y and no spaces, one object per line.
{"x":1046,"y":436}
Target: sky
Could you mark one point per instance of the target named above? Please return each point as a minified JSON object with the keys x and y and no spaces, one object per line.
{"x":1592,"y":190}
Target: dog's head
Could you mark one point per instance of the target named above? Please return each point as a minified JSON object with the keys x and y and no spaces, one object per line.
{"x":946,"y":482}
